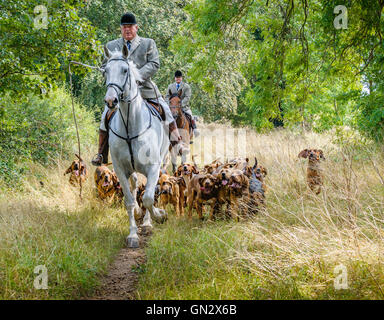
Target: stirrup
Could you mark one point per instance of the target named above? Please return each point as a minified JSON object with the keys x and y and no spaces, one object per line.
{"x":97,"y":163}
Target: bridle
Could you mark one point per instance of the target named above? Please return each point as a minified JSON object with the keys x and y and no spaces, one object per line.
{"x":121,"y":98}
{"x":117,"y":87}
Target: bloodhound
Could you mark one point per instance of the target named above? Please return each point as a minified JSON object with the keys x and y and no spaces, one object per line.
{"x":238,"y":192}
{"x":202,"y":189}
{"x":78,"y":171}
{"x":257,"y":188}
{"x":106,"y":183}
{"x":314,"y":175}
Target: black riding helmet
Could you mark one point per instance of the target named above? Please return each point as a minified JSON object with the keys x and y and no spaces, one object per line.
{"x":128,"y":18}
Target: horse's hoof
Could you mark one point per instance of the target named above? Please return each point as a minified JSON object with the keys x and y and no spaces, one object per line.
{"x":147,"y":230}
{"x":164,"y":215}
{"x":132,"y":242}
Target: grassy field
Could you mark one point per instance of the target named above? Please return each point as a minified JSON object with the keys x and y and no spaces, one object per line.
{"x":75,"y":240}
{"x":289,"y":251}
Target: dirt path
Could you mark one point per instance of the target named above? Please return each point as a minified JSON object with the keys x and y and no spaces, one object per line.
{"x":121,"y":280}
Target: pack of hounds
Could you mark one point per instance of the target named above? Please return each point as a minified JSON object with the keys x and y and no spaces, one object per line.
{"x":235,"y":189}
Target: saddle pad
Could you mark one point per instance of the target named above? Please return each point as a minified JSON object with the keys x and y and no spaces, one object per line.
{"x":110,"y":114}
{"x":154,"y":110}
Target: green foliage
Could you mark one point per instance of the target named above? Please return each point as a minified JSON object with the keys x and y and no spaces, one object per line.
{"x":39,"y":129}
{"x":371,"y":115}
{"x":35,"y":59}
{"x":288,"y":62}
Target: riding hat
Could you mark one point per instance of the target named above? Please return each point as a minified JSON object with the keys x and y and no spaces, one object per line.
{"x":178,"y":74}
{"x":128,"y":18}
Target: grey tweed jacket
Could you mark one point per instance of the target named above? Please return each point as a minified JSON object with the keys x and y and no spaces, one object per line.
{"x":186,"y":93}
{"x":145,"y":56}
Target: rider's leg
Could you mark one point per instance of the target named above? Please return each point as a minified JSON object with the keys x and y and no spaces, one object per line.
{"x":102,"y":153}
{"x":174,"y":132}
{"x":189,"y":112}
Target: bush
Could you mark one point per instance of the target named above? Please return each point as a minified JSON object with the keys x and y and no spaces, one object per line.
{"x":40,"y":129}
{"x":370,"y":118}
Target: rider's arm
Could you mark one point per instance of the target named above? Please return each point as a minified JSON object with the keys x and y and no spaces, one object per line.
{"x":153,"y":62}
{"x":167,"y":96}
{"x":187,"y":96}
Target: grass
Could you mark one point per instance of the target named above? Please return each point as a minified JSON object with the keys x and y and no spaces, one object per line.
{"x":75,"y":240}
{"x":290,"y":251}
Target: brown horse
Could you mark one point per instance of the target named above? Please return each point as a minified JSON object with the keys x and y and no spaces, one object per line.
{"x":183,"y":125}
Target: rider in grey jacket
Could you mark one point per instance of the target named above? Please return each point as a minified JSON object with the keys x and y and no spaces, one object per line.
{"x":143,"y":52}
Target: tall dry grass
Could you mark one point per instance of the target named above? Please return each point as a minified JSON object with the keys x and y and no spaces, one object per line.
{"x":302,"y":236}
{"x":50,"y":225}
{"x":290,"y":250}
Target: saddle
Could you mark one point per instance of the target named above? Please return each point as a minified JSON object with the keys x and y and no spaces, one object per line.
{"x":189,"y":118}
{"x":156,"y":109}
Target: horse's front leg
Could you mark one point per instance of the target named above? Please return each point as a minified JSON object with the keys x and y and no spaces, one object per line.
{"x":159,"y":215}
{"x":134,"y":186}
{"x":129,"y":200}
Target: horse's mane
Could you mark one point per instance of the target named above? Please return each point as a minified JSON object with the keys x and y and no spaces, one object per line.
{"x":174,"y":95}
{"x":135,"y":71}
{"x":132,"y":67}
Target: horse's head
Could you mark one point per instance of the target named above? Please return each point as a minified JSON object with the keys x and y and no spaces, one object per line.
{"x":121,"y":76}
{"x":175,"y":105}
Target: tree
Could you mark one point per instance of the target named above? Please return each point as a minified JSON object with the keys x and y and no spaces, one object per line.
{"x":291,"y":57}
{"x":37,"y":41}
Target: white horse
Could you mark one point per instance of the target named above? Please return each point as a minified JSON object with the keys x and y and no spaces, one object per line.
{"x":137,"y":139}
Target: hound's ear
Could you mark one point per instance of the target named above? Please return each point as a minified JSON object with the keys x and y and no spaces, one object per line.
{"x":181,"y":181}
{"x":212,"y":177}
{"x":201,"y":179}
{"x":248,"y":171}
{"x":194,"y":170}
{"x":161,"y":180}
{"x":178,"y":172}
{"x":322,"y":154}
{"x":107,"y":53}
{"x":304,"y":153}
{"x":125,"y":51}
{"x":69,"y":170}
{"x":264,"y":170}
{"x":245,"y":180}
